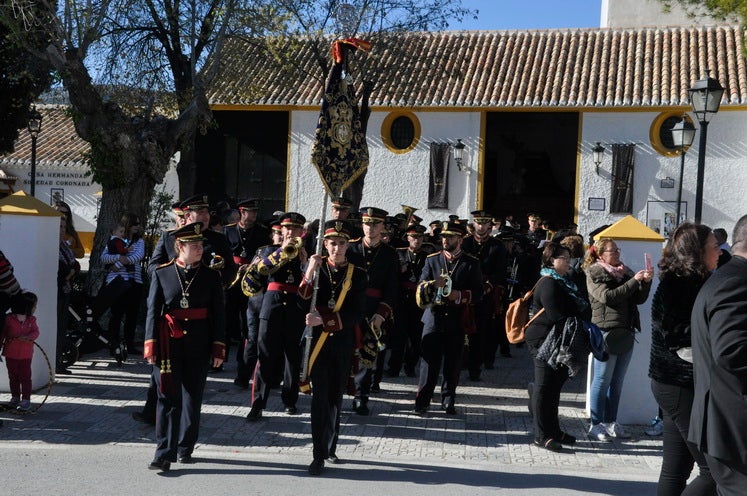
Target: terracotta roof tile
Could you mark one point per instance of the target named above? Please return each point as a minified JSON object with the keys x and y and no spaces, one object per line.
{"x":57,"y":144}
{"x":585,"y":68}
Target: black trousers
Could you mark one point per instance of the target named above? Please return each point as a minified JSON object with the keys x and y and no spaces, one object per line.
{"x":679,"y":455}
{"x":405,"y":345}
{"x":178,"y":412}
{"x":236,"y":303}
{"x":546,"y":399}
{"x":126,"y":307}
{"x":440,"y":348}
{"x":495,"y":338}
{"x":279,"y":338}
{"x":249,"y":346}
{"x":477,"y":340}
{"x":329,"y":377}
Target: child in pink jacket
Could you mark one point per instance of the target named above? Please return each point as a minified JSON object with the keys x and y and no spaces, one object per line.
{"x":19,"y":334}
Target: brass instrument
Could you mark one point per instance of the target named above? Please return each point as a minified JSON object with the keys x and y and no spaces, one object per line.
{"x":409,"y":212}
{"x":239,"y":276}
{"x":445,"y":291}
{"x":216,"y":262}
{"x":290,"y":251}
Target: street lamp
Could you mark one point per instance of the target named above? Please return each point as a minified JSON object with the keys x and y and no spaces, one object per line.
{"x":598,"y":152}
{"x":683,"y":134}
{"x":34,"y":127}
{"x":705,"y":99}
{"x":459,"y":153}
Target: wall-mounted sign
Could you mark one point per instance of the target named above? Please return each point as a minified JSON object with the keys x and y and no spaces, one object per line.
{"x":597,"y":204}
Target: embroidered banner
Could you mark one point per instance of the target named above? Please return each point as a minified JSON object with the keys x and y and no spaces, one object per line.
{"x":623,"y":158}
{"x":438,"y":191}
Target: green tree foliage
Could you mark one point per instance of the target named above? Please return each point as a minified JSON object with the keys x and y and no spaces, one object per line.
{"x":22,"y":79}
{"x":726,"y":10}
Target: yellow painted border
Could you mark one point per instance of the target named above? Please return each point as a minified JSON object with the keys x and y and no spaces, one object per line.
{"x":654,"y":133}
{"x":480,"y":196}
{"x":289,"y":161}
{"x":386,"y":130}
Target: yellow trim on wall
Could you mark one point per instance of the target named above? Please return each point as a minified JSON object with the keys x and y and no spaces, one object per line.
{"x":654,"y":133}
{"x":386,"y":131}
{"x":480,"y":196}
{"x":289,"y":160}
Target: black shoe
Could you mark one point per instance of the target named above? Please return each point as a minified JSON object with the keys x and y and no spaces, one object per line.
{"x":475,"y":377}
{"x":567,"y":439}
{"x":143,"y":419}
{"x":254,"y":415}
{"x":332,"y":458}
{"x":410,"y":373}
{"x":392,"y":373}
{"x":420,"y":410}
{"x":291,"y":410}
{"x":316,"y":467}
{"x":242,"y":383}
{"x":160,"y":464}
{"x":450,"y":410}
{"x":550,"y":445}
{"x":361,"y":408}
{"x":215,"y":370}
{"x":375,"y":387}
{"x":186,"y":459}
{"x":61,"y":371}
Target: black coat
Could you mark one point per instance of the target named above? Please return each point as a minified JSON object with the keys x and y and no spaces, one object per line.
{"x":719,"y":336}
{"x":214,"y":243}
{"x":492,"y":256}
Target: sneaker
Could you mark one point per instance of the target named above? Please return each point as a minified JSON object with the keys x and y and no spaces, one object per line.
{"x":616,"y":430}
{"x":24,"y":406}
{"x":598,"y":433}
{"x":14,"y":402}
{"x":656,"y":428}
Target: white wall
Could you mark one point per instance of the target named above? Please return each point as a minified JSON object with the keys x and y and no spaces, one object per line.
{"x":643,"y":13}
{"x":724,"y":201}
{"x":31,"y":243}
{"x":393,"y":179}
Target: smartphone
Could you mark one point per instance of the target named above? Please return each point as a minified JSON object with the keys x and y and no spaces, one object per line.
{"x":648,"y":265}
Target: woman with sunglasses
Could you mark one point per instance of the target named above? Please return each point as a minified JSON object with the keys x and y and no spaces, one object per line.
{"x":71,"y":235}
{"x":614,"y":293}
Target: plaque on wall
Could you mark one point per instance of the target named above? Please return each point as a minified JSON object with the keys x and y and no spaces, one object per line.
{"x":597,"y":204}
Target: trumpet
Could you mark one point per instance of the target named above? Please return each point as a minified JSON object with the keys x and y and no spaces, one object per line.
{"x":409,"y":212}
{"x":445,"y":291}
{"x":290,"y":251}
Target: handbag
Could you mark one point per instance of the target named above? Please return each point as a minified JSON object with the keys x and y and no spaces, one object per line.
{"x":618,"y":340}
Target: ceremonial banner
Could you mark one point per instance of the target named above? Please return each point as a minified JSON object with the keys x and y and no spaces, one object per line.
{"x":438,"y":184}
{"x":340,"y":152}
{"x":623,"y":158}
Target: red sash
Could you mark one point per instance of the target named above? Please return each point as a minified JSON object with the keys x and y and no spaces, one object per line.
{"x":373,"y":293}
{"x":278,"y":286}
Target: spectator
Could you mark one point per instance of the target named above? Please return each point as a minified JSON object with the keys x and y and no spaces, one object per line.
{"x":720,"y":235}
{"x":19,"y":334}
{"x":560,"y":299}
{"x":67,"y":269}
{"x":614,"y":293}
{"x":71,"y":235}
{"x":123,"y":289}
{"x":718,"y":420}
{"x":691,"y":253}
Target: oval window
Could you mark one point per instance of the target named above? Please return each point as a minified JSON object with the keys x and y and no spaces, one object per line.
{"x":400,"y":131}
{"x":660,"y":133}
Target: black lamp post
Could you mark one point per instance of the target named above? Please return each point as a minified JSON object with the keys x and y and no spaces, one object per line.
{"x":705,"y":99}
{"x":683,"y":134}
{"x":459,"y":153}
{"x":598,"y":152}
{"x":34,"y":127}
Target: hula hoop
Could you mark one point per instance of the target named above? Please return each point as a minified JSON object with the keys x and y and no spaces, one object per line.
{"x":49,"y":385}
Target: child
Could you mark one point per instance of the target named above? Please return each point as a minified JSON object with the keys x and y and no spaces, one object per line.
{"x":19,"y":334}
{"x":117,"y":245}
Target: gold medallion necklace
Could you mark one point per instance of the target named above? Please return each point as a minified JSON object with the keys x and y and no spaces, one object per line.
{"x":184,"y":302}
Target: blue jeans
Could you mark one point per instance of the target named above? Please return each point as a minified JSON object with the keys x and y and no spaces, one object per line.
{"x":606,"y":387}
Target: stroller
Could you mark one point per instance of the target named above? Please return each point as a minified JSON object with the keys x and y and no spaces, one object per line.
{"x":85,"y":335}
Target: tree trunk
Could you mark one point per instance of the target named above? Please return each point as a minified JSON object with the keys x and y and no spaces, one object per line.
{"x":187,"y":168}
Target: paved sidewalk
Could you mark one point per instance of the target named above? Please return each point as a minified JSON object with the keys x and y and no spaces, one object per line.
{"x":84,"y":436}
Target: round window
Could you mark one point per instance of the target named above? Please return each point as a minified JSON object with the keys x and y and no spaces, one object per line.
{"x":400,"y":131}
{"x":660,"y":133}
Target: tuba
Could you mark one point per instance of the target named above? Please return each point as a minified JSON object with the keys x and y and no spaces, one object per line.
{"x":408,"y":211}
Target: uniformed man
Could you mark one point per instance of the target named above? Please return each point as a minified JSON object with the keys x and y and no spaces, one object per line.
{"x":382,"y":266}
{"x":340,"y":211}
{"x":281,"y":319}
{"x":179,"y":213}
{"x":184,"y":335}
{"x":405,"y":341}
{"x":339,"y":307}
{"x":450,"y":283}
{"x":244,"y":237}
{"x":491,"y":253}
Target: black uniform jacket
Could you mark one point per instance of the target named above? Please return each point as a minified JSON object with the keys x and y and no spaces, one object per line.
{"x":466,"y":277}
{"x":201,"y":336}
{"x":214,"y":243}
{"x":718,"y":421}
{"x":245,"y":242}
{"x":382,"y":267}
{"x":493,"y":259}
{"x":282,"y":283}
{"x":413,"y":263}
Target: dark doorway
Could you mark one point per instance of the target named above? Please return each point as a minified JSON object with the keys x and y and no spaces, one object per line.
{"x":530,"y":165}
{"x":245,"y":156}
